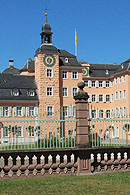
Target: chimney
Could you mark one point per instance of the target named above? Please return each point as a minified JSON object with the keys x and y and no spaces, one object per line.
{"x":11,"y":62}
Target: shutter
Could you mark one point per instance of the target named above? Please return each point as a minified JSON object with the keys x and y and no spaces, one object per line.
{"x":104,"y":83}
{"x":35,"y":111}
{"x":97,"y":98}
{"x":9,"y":111}
{"x":23,"y":111}
{"x":15,"y":111}
{"x":1,"y":111}
{"x":27,"y":111}
{"x":97,"y":113}
{"x":90,"y":113}
{"x":97,"y":84}
{"x":104,"y":113}
{"x":89,"y":83}
{"x":90,"y":98}
{"x":110,"y":84}
{"x":104,"y":97}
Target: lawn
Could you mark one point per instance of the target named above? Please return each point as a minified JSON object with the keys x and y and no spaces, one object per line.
{"x":114,"y":184}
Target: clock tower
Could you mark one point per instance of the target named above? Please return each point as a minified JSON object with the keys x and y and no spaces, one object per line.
{"x":47,"y":74}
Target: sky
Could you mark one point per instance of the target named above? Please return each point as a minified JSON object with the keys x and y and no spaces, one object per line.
{"x":103,"y":29}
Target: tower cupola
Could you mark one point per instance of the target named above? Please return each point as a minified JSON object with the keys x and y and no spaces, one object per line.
{"x":46,"y":34}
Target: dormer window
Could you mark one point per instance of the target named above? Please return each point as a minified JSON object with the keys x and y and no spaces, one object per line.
{"x":107,"y":72}
{"x":15,"y":93}
{"x":122,"y":66}
{"x":66,"y":60}
{"x":32,"y":93}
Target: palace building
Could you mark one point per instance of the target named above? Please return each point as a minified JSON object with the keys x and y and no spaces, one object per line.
{"x":48,"y":83}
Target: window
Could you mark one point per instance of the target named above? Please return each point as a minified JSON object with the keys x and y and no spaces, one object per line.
{"x":100,"y":113}
{"x":66,"y":60}
{"x":15,"y":92}
{"x":31,"y":93}
{"x":31,"y":111}
{"x":120,"y":94}
{"x":125,"y":112}
{"x":18,"y":130}
{"x":93,"y":113}
{"x":100,"y":83}
{"x":5,"y":111}
{"x":124,"y":93}
{"x":64,"y":74}
{"x":117,"y":112}
{"x":49,"y":73}
{"x":107,"y":98}
{"x":121,"y":111}
{"x":49,"y":110}
{"x":74,"y":111}
{"x":107,"y":113}
{"x":5,"y":131}
{"x":65,"y":111}
{"x":74,"y":91}
{"x":116,"y":95}
{"x":18,"y":111}
{"x":86,"y":83}
{"x":49,"y":91}
{"x":119,"y":79}
{"x":115,"y":80}
{"x":93,"y":97}
{"x":31,"y":131}
{"x":112,"y":99}
{"x":100,"y":98}
{"x":123,"y":78}
{"x":74,"y":75}
{"x":107,"y":83}
{"x":65,"y":92}
{"x":93,"y":84}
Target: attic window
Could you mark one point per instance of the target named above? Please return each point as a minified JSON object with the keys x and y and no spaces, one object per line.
{"x":32,"y":93}
{"x":107,"y":72}
{"x":66,"y":60}
{"x":15,"y":92}
{"x":122,"y":66}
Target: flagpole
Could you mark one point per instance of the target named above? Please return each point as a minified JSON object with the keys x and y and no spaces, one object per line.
{"x":75,"y":43}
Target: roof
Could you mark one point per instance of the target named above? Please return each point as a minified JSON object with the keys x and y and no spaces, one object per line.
{"x":29,"y":66}
{"x":11,"y":70}
{"x":23,"y":84}
{"x":103,"y":70}
{"x":47,"y":48}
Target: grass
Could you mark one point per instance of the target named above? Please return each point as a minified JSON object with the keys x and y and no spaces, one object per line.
{"x":114,"y":184}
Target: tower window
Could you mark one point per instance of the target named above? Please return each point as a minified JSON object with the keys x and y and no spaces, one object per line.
{"x":49,"y":91}
{"x":49,"y":110}
{"x":49,"y":73}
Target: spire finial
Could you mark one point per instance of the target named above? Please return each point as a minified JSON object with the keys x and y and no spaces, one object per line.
{"x":46,"y":15}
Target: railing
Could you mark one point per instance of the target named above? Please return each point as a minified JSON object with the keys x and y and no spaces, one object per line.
{"x":37,"y":134}
{"x":109,"y":132}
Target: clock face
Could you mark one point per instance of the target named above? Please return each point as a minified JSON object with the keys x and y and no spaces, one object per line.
{"x":49,"y":60}
{"x":85,"y":71}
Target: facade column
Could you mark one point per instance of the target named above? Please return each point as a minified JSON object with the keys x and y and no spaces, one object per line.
{"x":81,"y":101}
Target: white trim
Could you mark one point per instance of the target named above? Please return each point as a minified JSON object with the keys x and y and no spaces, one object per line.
{"x":51,"y":72}
{"x":72,"y":74}
{"x":97,"y":84}
{"x":66,"y":74}
{"x":89,"y":83}
{"x":74,"y":88}
{"x":46,"y":91}
{"x":67,"y":91}
{"x":52,"y":110}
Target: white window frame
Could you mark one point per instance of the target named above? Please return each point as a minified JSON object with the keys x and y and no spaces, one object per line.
{"x":86,"y":83}
{"x":65,"y":108}
{"x":63,"y":95}
{"x":93,"y":85}
{"x":49,"y":92}
{"x":101,"y":84}
{"x":93,"y":96}
{"x":19,"y":111}
{"x":31,"y":93}
{"x":124,"y":78}
{"x":50,"y":69}
{"x":116,"y":95}
{"x":100,"y":97}
{"x":107,"y":97}
{"x":15,"y":93}
{"x":64,"y":74}
{"x":107,"y":84}
{"x":49,"y":112}
{"x":73,"y":93}
{"x":31,"y":111}
{"x":115,"y":80}
{"x":124,"y":94}
{"x":73,"y":73}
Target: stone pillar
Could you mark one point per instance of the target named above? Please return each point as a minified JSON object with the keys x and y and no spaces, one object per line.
{"x":81,"y":101}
